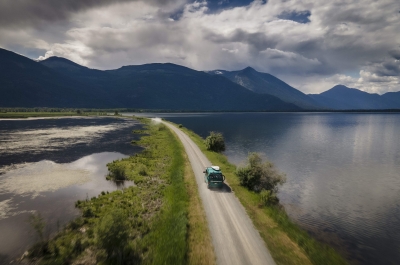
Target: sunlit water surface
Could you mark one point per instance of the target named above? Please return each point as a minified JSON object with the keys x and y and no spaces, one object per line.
{"x":46,"y":165}
{"x":343,"y":172}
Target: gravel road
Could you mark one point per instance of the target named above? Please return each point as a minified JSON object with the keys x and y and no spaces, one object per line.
{"x":235,"y":239}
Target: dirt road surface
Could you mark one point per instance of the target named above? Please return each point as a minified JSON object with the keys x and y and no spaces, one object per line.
{"x":234,"y":237}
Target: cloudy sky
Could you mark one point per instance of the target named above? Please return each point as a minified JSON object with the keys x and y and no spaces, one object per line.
{"x":312,"y":45}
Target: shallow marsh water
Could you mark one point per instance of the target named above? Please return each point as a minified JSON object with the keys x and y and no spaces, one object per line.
{"x":46,"y":165}
{"x":343,"y":172}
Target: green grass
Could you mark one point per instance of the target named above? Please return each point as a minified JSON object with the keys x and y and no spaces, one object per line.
{"x":287,"y":242}
{"x":155,"y":212}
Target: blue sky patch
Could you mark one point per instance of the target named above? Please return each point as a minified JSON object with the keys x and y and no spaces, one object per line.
{"x":299,"y":17}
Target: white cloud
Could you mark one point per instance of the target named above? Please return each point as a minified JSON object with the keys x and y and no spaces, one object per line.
{"x":341,"y":37}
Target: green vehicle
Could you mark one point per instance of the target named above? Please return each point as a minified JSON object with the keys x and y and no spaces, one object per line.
{"x":213,"y":177}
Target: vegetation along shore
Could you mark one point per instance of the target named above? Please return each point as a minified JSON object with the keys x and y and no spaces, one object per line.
{"x":157,"y":221}
{"x":160,"y":220}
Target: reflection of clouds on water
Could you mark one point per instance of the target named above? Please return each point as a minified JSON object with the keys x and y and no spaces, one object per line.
{"x":96,"y":163}
{"x":8,"y":208}
{"x":5,"y":207}
{"x":33,"y":178}
{"x":79,"y":150}
{"x":53,"y":138}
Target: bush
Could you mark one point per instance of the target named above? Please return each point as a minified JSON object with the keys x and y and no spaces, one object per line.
{"x":113,"y":232}
{"x":88,"y":212}
{"x":215,"y":142}
{"x":116,"y":171}
{"x":142,"y":170}
{"x":257,"y":175}
{"x":268,"y":197}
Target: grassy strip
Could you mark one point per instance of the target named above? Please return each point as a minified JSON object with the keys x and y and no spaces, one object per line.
{"x":168,"y":234}
{"x":287,"y":242}
{"x":146,"y":223}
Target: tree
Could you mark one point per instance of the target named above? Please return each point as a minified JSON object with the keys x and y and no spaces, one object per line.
{"x":113,"y":233}
{"x":260,"y":176}
{"x":215,"y":142}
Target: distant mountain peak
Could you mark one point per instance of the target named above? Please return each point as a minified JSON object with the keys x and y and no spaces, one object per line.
{"x":249,"y":69}
{"x":339,"y":86}
{"x":345,"y":98}
{"x":60,"y":60}
{"x":344,"y":89}
{"x":151,"y":67}
{"x":264,"y":83}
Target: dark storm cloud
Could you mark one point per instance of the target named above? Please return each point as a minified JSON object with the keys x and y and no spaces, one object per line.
{"x":395,"y":54}
{"x":15,"y":13}
{"x":257,"y":40}
{"x":388,"y":68}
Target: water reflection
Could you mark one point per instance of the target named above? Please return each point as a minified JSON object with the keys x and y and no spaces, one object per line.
{"x":48,"y":139}
{"x":343,"y":180}
{"x":46,"y":165}
{"x":55,"y":202}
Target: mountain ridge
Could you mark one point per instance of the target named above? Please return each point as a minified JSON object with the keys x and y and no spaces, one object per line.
{"x":341,"y":97}
{"x":58,"y":82}
{"x":264,"y":83}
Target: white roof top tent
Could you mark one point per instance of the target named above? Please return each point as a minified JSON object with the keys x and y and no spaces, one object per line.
{"x":215,"y":168}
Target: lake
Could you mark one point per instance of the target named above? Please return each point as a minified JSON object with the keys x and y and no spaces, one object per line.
{"x":343,"y":172}
{"x":46,"y":165}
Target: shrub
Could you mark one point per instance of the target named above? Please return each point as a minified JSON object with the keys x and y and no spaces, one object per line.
{"x":88,"y":212}
{"x":116,"y":171}
{"x":257,"y":175}
{"x":267,"y":197}
{"x":142,"y":170}
{"x":113,"y":232}
{"x":215,"y":142}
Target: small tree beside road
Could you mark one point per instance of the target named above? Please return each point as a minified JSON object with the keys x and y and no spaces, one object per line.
{"x":215,"y":142}
{"x":261,"y":177}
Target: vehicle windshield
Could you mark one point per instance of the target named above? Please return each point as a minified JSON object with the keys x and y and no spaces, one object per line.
{"x":216,"y":176}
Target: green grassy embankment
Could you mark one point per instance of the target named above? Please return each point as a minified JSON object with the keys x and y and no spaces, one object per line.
{"x":154,"y":222}
{"x":287,"y":242}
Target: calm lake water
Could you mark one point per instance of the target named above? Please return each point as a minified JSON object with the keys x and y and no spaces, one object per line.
{"x":343,"y":172}
{"x":46,"y":165}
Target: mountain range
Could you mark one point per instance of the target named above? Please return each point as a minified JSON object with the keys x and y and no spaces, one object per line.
{"x":263,"y":83}
{"x":58,"y":82}
{"x":343,"y":98}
